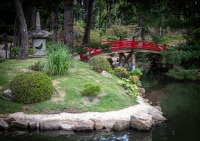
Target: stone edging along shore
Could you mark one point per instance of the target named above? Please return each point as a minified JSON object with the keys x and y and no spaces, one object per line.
{"x":141,"y":117}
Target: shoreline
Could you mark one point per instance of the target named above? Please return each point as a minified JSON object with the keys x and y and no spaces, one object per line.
{"x":140,"y":117}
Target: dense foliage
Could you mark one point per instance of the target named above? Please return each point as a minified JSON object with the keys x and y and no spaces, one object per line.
{"x":184,"y":58}
{"x":59,"y":60}
{"x":31,"y":87}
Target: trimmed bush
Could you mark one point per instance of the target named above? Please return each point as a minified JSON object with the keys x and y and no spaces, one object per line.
{"x":91,"y":90}
{"x":99,"y":63}
{"x":31,"y":87}
{"x":121,"y":72}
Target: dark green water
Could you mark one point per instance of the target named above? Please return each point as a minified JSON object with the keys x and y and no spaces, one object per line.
{"x":180,"y":102}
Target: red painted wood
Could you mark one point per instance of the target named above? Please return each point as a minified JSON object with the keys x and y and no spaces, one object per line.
{"x":126,"y":44}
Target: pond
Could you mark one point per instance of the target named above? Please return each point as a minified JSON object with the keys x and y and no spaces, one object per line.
{"x":180,"y":102}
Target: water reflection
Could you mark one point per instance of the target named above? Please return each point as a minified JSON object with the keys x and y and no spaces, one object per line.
{"x":126,"y":135}
{"x":180,"y":102}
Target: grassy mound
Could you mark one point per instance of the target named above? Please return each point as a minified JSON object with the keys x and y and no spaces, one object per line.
{"x":68,"y":97}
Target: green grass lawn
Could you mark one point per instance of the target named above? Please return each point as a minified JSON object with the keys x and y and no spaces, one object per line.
{"x":67,"y":96}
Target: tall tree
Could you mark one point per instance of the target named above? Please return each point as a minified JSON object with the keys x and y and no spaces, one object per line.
{"x":22,"y":28}
{"x":86,"y":37}
{"x":68,"y":23}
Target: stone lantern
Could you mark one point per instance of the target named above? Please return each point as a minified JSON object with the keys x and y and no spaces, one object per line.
{"x":39,"y":38}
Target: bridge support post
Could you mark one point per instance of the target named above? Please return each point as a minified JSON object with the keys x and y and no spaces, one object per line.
{"x":121,"y":59}
{"x":132,"y":60}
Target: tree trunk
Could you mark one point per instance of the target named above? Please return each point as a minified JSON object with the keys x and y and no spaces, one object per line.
{"x":55,"y":21}
{"x":109,"y":8}
{"x":32,"y":18}
{"x":115,"y":11}
{"x":86,"y":37}
{"x":22,"y":28}
{"x":68,"y":23}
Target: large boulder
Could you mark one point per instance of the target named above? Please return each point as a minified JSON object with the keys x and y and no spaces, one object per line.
{"x":49,"y":125}
{"x":98,"y":124}
{"x":142,"y":122}
{"x":67,"y":126}
{"x":9,"y":119}
{"x":7,"y":94}
{"x":121,"y":125}
{"x":19,"y":124}
{"x":157,"y":119}
{"x":3,"y":124}
{"x":33,"y":125}
{"x":84,"y":126}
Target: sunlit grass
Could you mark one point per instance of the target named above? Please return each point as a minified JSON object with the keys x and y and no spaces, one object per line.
{"x":112,"y":95}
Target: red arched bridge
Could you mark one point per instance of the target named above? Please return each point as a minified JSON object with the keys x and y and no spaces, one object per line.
{"x":129,"y":47}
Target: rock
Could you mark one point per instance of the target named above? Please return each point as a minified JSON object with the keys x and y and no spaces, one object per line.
{"x":146,"y":100}
{"x":3,"y":115}
{"x":7,"y":94}
{"x":121,"y":125}
{"x":67,"y":127}
{"x":158,"y":117}
{"x":141,"y":122}
{"x":141,"y":91}
{"x":50,"y":125}
{"x":3,"y":125}
{"x":158,"y":108}
{"x":33,"y":125}
{"x":98,"y":124}
{"x":84,"y":126}
{"x":9,"y":119}
{"x":108,"y":124}
{"x":19,"y":124}
{"x":104,"y":73}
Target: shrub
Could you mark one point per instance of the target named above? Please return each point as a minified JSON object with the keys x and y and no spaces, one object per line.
{"x":81,"y":51}
{"x":182,"y":74}
{"x":37,"y":66}
{"x":99,"y":63}
{"x":131,"y":89}
{"x":91,"y":90}
{"x":134,"y":79}
{"x":31,"y":87}
{"x":106,"y":48}
{"x":121,"y":72}
{"x":136,"y":71}
{"x":14,"y":51}
{"x":94,"y":45}
{"x":59,"y":60}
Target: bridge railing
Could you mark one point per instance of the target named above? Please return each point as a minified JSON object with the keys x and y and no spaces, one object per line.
{"x":125,"y":44}
{"x":134,"y":44}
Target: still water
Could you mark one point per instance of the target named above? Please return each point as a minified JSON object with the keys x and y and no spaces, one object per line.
{"x":180,"y":102}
